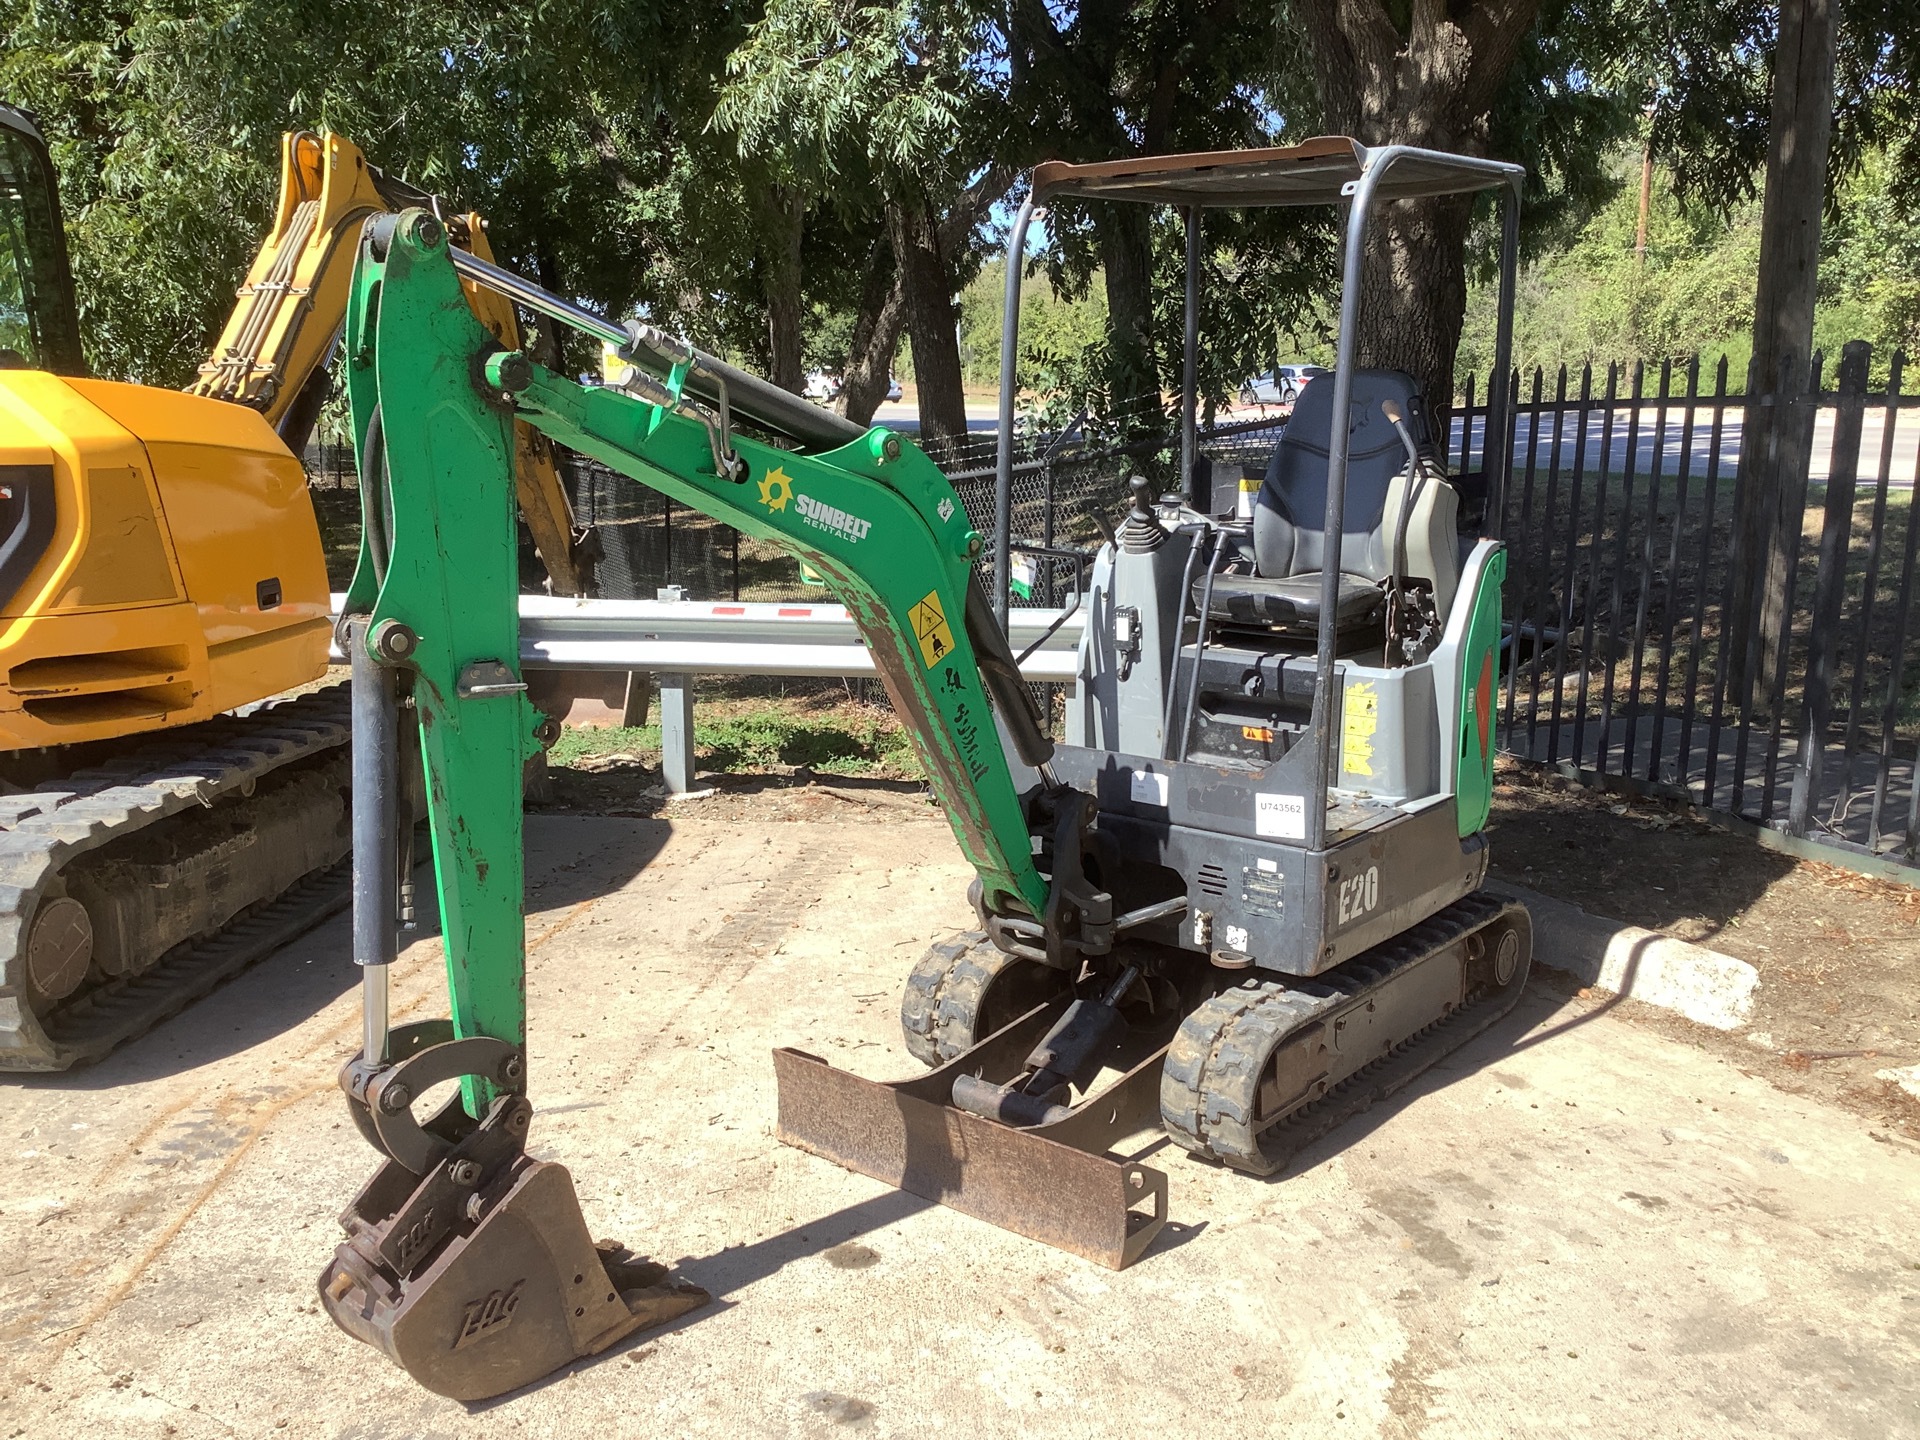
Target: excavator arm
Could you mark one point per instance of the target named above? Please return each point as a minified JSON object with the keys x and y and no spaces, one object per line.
{"x":273,"y":353}
{"x":439,"y":395}
{"x":438,"y":1258}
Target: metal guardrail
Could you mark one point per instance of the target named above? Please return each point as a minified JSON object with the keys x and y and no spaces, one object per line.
{"x":677,"y":639}
{"x":720,"y":637}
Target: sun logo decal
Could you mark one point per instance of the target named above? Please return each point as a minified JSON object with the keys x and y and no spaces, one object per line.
{"x":776,"y":489}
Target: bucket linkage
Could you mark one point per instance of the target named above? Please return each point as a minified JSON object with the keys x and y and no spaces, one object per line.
{"x":466,"y":1260}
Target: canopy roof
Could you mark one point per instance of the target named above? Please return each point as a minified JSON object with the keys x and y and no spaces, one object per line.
{"x":1311,"y":173}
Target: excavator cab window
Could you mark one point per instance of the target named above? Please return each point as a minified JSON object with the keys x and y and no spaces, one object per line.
{"x":39,"y":328}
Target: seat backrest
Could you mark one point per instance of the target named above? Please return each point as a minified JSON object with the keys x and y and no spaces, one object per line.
{"x":1290,"y":515}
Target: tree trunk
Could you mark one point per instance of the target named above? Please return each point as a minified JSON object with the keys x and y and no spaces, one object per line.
{"x":786,"y":216}
{"x":931,"y":319}
{"x":1126,"y":255}
{"x":1776,"y":440}
{"x":545,"y":348}
{"x":1433,"y":85}
{"x":1414,"y":293}
{"x":876,"y":336}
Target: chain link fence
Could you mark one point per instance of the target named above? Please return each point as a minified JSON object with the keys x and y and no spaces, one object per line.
{"x":1068,"y":489}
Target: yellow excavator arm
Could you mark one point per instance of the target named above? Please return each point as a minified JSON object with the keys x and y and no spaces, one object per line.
{"x":272,"y":354}
{"x":271,"y":346}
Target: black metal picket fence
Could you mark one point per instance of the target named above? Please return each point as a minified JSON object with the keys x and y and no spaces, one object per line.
{"x":1625,"y":663}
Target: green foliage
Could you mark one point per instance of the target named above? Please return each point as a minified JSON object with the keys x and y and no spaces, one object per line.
{"x":1870,"y":263}
{"x":621,"y":154}
{"x":850,"y":87}
{"x":563,"y":123}
{"x":870,"y":742}
{"x":1265,"y":284}
{"x":1593,"y":300}
{"x":1062,"y":338}
{"x":1573,"y":96}
{"x":1707,"y":66}
{"x":858,"y":107}
{"x":1262,"y":292}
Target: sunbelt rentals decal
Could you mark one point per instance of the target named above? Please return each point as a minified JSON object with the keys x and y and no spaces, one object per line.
{"x":777,"y":492}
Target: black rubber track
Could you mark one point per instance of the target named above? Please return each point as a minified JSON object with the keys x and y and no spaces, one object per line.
{"x":116,"y":1012}
{"x":947,"y":1007}
{"x":45,"y":830}
{"x":1215,"y":1063}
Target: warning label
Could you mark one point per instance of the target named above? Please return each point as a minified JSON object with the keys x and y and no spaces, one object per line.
{"x":1362,"y":718}
{"x":931,"y":630}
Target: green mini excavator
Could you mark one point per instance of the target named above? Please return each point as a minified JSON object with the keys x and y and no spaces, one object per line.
{"x":1239,"y":900}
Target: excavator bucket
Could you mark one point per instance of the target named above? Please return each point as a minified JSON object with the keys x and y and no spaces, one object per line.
{"x":1058,"y":1183}
{"x":512,"y":1290}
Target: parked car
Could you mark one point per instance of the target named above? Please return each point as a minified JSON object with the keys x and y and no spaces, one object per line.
{"x":823,"y":386}
{"x":1279,"y":386}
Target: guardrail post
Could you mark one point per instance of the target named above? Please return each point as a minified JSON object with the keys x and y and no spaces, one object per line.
{"x":676,"y":732}
{"x":676,"y":715}
{"x":633,"y":708}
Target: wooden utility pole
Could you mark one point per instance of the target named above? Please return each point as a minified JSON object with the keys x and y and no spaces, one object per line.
{"x":1776,"y":437}
{"x":1646,"y":203}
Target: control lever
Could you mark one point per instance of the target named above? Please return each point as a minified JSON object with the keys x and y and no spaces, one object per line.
{"x":1141,"y":533}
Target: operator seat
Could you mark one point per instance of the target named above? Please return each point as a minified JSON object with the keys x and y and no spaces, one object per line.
{"x":1289,"y":540}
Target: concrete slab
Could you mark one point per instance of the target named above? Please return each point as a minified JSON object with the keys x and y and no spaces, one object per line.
{"x":1575,"y":1227}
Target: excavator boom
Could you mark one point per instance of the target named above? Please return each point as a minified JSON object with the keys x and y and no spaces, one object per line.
{"x":435,"y":397}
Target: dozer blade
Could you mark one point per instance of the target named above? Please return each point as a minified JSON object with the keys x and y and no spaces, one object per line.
{"x":499,"y":1302}
{"x":1053,"y":1183}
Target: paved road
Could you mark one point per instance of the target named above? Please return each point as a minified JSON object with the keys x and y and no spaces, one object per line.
{"x":1693,"y":448}
{"x":1576,"y":1227}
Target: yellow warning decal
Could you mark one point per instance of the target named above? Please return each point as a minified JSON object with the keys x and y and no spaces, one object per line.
{"x":931,"y":630}
{"x":1362,"y":718}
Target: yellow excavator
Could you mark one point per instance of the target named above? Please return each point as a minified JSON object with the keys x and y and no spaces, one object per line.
{"x":162,"y":575}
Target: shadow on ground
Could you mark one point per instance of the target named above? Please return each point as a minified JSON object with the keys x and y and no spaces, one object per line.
{"x":1642,"y":861}
{"x":580,"y":858}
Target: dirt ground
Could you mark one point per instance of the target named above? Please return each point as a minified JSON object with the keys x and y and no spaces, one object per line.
{"x":1576,"y":1225}
{"x":1838,"y":952}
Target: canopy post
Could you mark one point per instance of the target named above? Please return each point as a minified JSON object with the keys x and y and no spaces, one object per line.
{"x":1496,"y":448}
{"x":1009,"y":385}
{"x":1190,"y":364}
